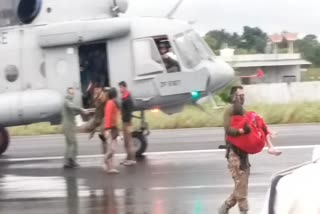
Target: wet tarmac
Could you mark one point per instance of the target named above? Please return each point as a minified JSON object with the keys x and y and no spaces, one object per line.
{"x":172,"y":181}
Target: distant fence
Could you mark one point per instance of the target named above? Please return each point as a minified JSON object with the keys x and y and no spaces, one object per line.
{"x":281,"y":93}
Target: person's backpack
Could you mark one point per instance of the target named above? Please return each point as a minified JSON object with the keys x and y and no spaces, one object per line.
{"x":252,"y":142}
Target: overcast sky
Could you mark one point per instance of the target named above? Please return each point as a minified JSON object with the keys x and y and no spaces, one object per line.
{"x":273,"y":16}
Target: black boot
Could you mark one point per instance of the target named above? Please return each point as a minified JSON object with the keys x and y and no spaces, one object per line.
{"x":68,"y":165}
{"x":74,"y":164}
{"x":71,"y":164}
{"x":224,"y":209}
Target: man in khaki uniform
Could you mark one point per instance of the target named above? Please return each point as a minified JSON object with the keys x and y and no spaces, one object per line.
{"x":238,"y":161}
{"x":70,"y":110}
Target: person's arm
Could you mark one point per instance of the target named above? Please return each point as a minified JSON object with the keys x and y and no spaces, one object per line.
{"x":76,"y":109}
{"x":228,"y":129}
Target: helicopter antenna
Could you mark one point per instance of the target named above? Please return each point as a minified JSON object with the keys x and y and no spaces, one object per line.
{"x":174,"y":9}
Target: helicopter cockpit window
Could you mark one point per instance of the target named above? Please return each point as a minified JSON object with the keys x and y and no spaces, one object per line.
{"x":8,"y":16}
{"x":28,"y":10}
{"x":187,"y":51}
{"x":168,"y":56}
{"x":202,"y":48}
{"x":147,"y":58}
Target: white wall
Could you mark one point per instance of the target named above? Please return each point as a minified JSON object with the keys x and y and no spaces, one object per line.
{"x":282,"y":92}
{"x":271,"y":74}
{"x":260,"y":57}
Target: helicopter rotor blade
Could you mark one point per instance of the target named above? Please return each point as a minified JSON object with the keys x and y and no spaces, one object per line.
{"x":174,"y":9}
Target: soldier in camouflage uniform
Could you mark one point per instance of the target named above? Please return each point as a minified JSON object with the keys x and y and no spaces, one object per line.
{"x":96,"y":122}
{"x":238,"y":161}
{"x":70,"y":110}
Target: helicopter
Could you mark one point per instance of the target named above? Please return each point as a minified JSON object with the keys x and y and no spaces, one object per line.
{"x":48,"y":46}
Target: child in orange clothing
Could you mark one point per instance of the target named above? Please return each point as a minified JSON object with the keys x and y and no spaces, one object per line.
{"x":259,"y":135}
{"x":258,"y":120}
{"x":111,"y":130}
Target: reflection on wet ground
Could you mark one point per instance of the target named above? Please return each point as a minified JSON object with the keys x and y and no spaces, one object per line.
{"x":166,"y":184}
{"x":71,"y":195}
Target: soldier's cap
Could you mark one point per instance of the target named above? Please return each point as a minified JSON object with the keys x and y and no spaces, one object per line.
{"x":164,"y":44}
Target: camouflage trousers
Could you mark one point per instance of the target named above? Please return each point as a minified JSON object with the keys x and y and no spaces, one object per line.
{"x":92,"y":126}
{"x":241,"y":180}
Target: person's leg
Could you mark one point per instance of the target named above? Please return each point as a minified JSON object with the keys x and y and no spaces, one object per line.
{"x":241,"y":194}
{"x":228,"y":204}
{"x":71,"y":149}
{"x":127,"y":134}
{"x":233,"y":166}
{"x":241,"y":179}
{"x":75,"y":152}
{"x":103,"y":139}
{"x":271,"y":149}
{"x":109,"y":157}
{"x":67,"y":155}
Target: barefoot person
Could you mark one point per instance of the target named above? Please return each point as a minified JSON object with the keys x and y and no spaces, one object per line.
{"x":259,"y":122}
{"x":111,"y":130}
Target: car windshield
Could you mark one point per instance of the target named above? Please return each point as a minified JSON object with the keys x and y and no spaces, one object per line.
{"x":192,"y":49}
{"x":8,"y":15}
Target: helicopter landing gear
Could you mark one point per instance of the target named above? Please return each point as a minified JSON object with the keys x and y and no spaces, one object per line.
{"x":140,"y":141}
{"x":4,"y":140}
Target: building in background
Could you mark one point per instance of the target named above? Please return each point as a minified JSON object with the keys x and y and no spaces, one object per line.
{"x":277,"y":67}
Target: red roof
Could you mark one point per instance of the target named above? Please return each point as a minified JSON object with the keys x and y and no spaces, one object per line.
{"x":276,"y":38}
{"x":290,"y":36}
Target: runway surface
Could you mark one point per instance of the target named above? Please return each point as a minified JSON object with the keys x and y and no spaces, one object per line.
{"x":183,"y":172}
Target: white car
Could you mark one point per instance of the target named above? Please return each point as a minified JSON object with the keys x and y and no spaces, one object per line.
{"x":296,"y":190}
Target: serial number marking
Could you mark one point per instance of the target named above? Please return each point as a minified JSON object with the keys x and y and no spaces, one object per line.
{"x":170,"y":83}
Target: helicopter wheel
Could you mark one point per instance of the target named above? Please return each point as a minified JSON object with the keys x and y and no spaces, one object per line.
{"x":4,"y":140}
{"x":140,"y":143}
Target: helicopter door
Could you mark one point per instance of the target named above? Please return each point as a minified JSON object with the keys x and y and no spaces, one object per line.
{"x":62,"y":66}
{"x":93,"y":68}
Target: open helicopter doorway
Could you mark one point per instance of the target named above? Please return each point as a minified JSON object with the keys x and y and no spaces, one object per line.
{"x":93,"y":69}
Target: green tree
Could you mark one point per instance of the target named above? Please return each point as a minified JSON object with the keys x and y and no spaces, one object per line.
{"x":212,"y":42}
{"x":253,"y":39}
{"x":310,"y":49}
{"x":218,"y":39}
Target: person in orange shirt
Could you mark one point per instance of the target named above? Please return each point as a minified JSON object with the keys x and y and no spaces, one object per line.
{"x":111,"y":115}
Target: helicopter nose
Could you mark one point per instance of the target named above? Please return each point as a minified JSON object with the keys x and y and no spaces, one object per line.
{"x":221,"y":74}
